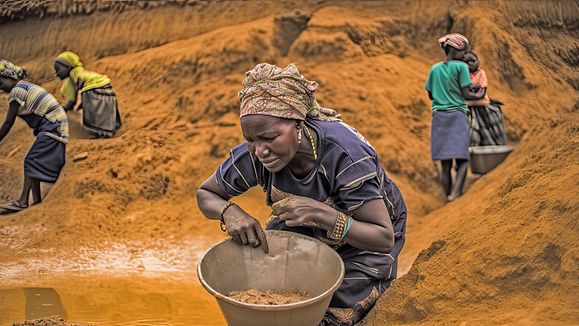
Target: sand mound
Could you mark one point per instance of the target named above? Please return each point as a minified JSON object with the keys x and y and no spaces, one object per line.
{"x":512,"y":252}
{"x":177,"y":88}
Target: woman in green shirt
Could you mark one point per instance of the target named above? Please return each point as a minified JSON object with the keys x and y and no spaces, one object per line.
{"x":448,"y":85}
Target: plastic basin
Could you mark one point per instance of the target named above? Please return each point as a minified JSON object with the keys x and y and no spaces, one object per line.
{"x":485,"y":158}
{"x":294,"y":261}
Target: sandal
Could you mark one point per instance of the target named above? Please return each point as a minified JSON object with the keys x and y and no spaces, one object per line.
{"x":13,"y":206}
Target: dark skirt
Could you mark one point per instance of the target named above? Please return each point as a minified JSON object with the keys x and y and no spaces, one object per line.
{"x":367,"y":274}
{"x":101,"y":115}
{"x":486,"y":125}
{"x":449,"y":137}
{"x":45,"y":158}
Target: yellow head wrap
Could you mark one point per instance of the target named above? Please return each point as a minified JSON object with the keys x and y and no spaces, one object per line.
{"x":69,"y":58}
{"x":90,"y":80}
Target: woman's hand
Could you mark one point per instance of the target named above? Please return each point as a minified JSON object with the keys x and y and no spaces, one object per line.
{"x":69,"y":106}
{"x":298,"y":211}
{"x":10,"y":119}
{"x":371,"y":228}
{"x":243,"y":228}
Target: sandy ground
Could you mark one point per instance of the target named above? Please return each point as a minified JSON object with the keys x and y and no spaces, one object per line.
{"x":506,"y":249}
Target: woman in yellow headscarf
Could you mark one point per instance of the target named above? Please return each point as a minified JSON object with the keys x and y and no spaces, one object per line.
{"x":99,"y":102}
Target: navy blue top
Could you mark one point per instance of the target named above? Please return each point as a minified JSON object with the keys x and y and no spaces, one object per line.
{"x":347,"y":173}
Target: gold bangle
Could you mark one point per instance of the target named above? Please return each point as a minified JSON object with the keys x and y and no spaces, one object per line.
{"x":339,"y":226}
{"x":222,"y":223}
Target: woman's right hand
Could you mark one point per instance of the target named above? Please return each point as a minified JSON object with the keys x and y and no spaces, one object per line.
{"x":244,"y":229}
{"x":475,"y":87}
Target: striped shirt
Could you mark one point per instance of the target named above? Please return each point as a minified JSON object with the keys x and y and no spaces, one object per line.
{"x":36,"y":103}
{"x":347,"y":173}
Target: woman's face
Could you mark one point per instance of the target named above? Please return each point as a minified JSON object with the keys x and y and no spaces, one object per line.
{"x":6,"y":84}
{"x":471,"y":61}
{"x":60,"y":70}
{"x":455,"y":54}
{"x":274,"y":141}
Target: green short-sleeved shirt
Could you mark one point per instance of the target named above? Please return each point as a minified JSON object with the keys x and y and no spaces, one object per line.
{"x":445,"y":81}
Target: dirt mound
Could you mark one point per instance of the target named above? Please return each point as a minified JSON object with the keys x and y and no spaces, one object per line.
{"x":177,"y":88}
{"x":513,"y":246}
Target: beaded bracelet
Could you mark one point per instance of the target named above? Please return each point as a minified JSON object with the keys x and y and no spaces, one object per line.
{"x":222,"y":223}
{"x":347,"y":228}
{"x":338,"y":231}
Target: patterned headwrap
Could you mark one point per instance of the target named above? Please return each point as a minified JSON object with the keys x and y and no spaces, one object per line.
{"x":283,"y":93}
{"x":69,"y":58}
{"x":455,"y":40}
{"x":12,"y":71}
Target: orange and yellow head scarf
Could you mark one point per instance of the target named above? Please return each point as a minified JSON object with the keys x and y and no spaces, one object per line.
{"x":283,"y":93}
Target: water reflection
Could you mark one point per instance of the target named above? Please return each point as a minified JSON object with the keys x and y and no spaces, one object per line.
{"x":119,"y":298}
{"x":42,"y":302}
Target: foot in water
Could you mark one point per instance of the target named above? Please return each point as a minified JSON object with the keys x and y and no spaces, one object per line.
{"x":13,"y":206}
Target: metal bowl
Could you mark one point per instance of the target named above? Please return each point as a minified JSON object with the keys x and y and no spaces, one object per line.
{"x":294,"y":261}
{"x":485,"y":158}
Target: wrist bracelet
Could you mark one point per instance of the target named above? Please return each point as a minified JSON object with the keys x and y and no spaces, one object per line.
{"x":341,"y":221}
{"x":348,"y":225}
{"x":222,"y":223}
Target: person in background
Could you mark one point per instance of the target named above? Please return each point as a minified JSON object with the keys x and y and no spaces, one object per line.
{"x":322,"y":179}
{"x":42,"y":112}
{"x":486,"y":118}
{"x":101,"y":115}
{"x":448,"y":85}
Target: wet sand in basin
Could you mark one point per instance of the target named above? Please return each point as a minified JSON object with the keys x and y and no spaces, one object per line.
{"x":269,"y":297}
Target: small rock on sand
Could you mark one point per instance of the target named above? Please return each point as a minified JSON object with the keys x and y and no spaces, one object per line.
{"x":80,"y":157}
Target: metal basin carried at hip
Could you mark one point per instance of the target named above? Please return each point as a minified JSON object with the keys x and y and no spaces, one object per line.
{"x":485,"y":158}
{"x":294,"y":261}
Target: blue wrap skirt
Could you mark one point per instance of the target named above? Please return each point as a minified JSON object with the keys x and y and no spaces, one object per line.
{"x":449,"y":136}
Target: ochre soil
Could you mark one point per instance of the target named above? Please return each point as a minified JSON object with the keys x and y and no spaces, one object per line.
{"x":48,"y":321}
{"x":504,"y":253}
{"x":269,"y":297}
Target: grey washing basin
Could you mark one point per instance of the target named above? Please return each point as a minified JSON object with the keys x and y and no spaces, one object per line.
{"x":485,"y":158}
{"x":294,"y":261}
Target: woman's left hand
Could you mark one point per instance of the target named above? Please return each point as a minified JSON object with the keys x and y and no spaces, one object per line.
{"x":298,"y":211}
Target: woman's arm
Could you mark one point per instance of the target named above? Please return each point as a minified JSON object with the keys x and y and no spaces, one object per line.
{"x":469,"y":94}
{"x":9,"y":120}
{"x":68,"y":106}
{"x":242,"y":227}
{"x":371,"y":228}
{"x":479,"y":91}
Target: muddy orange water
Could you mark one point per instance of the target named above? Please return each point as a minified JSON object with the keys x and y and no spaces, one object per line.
{"x":119,"y":235}
{"x":118,"y":298}
{"x":117,"y":286}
